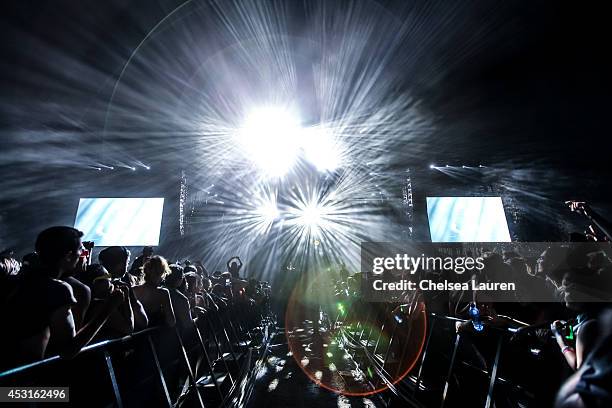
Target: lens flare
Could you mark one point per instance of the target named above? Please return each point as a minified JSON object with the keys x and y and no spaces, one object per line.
{"x":268,"y":211}
{"x":321,"y":148}
{"x":311,"y":216}
{"x":270,"y":138}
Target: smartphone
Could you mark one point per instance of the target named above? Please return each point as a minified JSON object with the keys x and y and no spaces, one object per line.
{"x":568,"y":331}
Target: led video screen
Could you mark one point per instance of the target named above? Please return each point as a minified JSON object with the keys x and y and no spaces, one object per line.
{"x":120,"y":221}
{"x":467,"y":219}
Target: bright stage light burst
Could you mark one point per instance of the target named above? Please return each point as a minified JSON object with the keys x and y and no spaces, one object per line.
{"x":268,"y":211}
{"x":321,"y":149}
{"x":270,"y":139}
{"x":335,"y":97}
{"x":261,"y":212}
{"x":311,"y":216}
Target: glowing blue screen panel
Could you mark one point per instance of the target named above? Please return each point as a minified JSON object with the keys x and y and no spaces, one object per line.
{"x":120,"y":221}
{"x":467,"y":219}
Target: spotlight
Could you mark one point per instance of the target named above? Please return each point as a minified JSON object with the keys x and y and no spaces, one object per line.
{"x":103,"y":166}
{"x":432,"y":166}
{"x":270,"y":138}
{"x":321,"y":149}
{"x":311,"y":216}
{"x":147,"y":167}
{"x":133,"y":168}
{"x":268,"y":211}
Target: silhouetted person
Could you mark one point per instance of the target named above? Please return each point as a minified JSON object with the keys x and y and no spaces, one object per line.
{"x":591,"y":385}
{"x":37,"y":312}
{"x":233,"y":267}
{"x":121,"y":321}
{"x":175,"y":283}
{"x":155,"y":299}
{"x":136,"y":269}
{"x":115,"y":259}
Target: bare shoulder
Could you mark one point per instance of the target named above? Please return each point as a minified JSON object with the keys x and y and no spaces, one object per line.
{"x":162,"y":292}
{"x":59,"y":293}
{"x":587,"y":336}
{"x":60,"y":286}
{"x":588,"y":330}
{"x":78,"y":288}
{"x":589,"y":327}
{"x":180,"y":298}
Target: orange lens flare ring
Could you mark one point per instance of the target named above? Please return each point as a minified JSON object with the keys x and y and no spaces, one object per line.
{"x":315,"y":357}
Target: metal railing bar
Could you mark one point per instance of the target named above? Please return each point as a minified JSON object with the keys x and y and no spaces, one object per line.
{"x":422,"y":364}
{"x":494,"y":373}
{"x":192,"y":379}
{"x":450,"y":370}
{"x":113,"y":378}
{"x":92,"y":347}
{"x":162,"y":380}
{"x":209,"y":363}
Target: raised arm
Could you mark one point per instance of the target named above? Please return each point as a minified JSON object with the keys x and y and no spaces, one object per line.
{"x":601,"y":223}
{"x":569,"y":353}
{"x":66,"y":341}
{"x":122,"y":320}
{"x":82,"y":294}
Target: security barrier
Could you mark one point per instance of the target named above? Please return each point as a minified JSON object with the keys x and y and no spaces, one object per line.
{"x":205,"y":365}
{"x":457,"y":365}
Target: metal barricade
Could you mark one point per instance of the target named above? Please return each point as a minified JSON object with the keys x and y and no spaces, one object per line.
{"x":412,"y":389}
{"x":207,"y":381}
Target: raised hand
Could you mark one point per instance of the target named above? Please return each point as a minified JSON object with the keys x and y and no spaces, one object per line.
{"x":579,"y":207}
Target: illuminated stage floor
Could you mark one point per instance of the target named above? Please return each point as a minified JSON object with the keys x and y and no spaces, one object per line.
{"x":283,"y":383}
